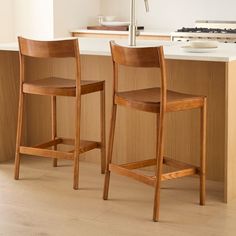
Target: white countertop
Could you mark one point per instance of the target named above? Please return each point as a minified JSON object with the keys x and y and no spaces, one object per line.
{"x":9,"y":47}
{"x":146,"y":32}
{"x":100,"y":46}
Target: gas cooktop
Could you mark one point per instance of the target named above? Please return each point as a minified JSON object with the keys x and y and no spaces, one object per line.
{"x":222,"y":31}
{"x":207,"y":30}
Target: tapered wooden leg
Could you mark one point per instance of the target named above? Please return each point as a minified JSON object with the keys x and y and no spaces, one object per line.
{"x":103,"y":130}
{"x":19,"y":135}
{"x":110,"y":149}
{"x":203,"y":154}
{"x":54,"y":124}
{"x":76,"y":171}
{"x":77,"y":143}
{"x":159,"y":163}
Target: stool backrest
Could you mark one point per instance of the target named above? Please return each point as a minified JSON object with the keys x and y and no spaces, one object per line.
{"x":48,"y":49}
{"x":68,"y":48}
{"x":145,"y":57}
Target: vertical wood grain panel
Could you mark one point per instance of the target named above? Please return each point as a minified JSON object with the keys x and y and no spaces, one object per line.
{"x":230,"y":162}
{"x":9,"y":93}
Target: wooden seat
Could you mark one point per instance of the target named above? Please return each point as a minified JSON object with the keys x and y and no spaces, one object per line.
{"x":160,"y":101}
{"x":56,"y":86}
{"x":149,"y":100}
{"x":61,"y":87}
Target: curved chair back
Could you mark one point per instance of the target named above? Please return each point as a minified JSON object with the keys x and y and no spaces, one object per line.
{"x":145,"y":57}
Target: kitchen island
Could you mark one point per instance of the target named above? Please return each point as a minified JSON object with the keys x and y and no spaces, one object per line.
{"x":212,"y":74}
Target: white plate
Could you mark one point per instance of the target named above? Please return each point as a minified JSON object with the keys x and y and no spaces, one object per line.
{"x":114,"y":23}
{"x":203,"y":44}
{"x":198,"y":50}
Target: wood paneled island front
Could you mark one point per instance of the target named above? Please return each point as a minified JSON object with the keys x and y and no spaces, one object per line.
{"x":212,"y":74}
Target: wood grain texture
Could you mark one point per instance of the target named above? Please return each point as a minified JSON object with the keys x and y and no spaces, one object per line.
{"x":230,"y":152}
{"x":61,"y":86}
{"x":9,"y":94}
{"x":203,"y":136}
{"x":149,"y":100}
{"x":55,"y":48}
{"x":54,"y":124}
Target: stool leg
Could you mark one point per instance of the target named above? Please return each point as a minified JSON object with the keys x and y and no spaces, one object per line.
{"x":19,"y":135}
{"x":103,"y":130}
{"x":203,"y":153}
{"x":159,"y":163}
{"x":110,"y":149}
{"x":54,"y":124}
{"x":77,"y":143}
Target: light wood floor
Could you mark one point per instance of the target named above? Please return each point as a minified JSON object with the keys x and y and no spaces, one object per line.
{"x":43,"y":203}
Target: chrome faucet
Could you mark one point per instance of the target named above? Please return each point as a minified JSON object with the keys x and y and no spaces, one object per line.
{"x":133,"y":27}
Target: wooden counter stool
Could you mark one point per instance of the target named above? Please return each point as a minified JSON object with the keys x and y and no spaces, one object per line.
{"x":56,"y":86}
{"x":156,"y":100}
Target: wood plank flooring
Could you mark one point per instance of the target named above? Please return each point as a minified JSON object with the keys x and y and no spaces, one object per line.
{"x":43,"y":203}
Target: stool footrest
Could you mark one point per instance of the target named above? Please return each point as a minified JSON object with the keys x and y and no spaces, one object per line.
{"x":151,"y":162}
{"x":126,"y":170}
{"x":46,"y":153}
{"x":177,"y":164}
{"x":40,"y":149}
{"x":137,"y":176}
{"x":139,"y":164}
{"x":85,"y":145}
{"x":178,"y":174}
{"x":50,"y":143}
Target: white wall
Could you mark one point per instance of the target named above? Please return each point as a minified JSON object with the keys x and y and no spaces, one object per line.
{"x":74,"y":14}
{"x":6,"y":21}
{"x":172,"y":14}
{"x":33,"y":18}
{"x":45,"y":19}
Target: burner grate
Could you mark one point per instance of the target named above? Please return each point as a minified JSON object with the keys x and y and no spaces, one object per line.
{"x":207,"y":30}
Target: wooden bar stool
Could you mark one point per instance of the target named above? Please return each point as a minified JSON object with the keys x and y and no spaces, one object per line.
{"x":156,"y":100}
{"x":55,"y":86}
